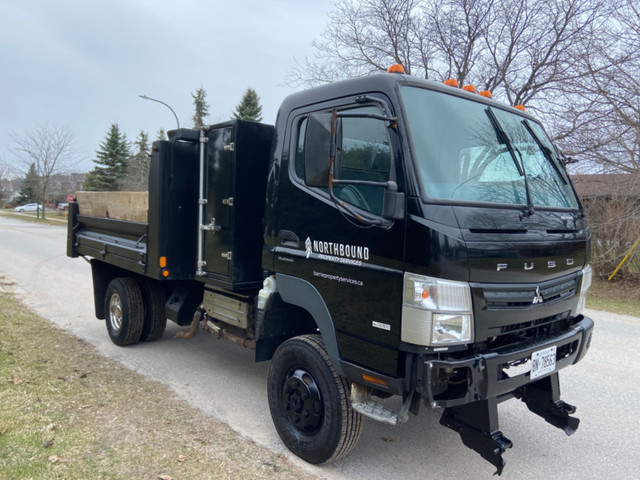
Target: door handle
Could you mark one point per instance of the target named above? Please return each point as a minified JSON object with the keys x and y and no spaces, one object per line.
{"x":288,"y":239}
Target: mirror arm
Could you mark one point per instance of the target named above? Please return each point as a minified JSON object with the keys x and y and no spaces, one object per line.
{"x":391,"y":121}
{"x":367,"y":98}
{"x":369,"y":183}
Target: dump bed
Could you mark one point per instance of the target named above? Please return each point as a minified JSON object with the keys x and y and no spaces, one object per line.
{"x":169,"y":232}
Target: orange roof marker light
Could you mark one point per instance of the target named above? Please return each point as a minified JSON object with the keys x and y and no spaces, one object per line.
{"x":452,"y":82}
{"x":469,"y":88}
{"x":486,"y":93}
{"x":519,"y":107}
{"x":397,"y":68}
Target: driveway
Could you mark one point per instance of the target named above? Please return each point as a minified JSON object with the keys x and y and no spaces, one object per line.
{"x":221,"y":379}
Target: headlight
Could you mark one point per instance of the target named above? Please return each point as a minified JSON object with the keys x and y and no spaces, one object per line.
{"x":587,"y":277}
{"x":436,"y":311}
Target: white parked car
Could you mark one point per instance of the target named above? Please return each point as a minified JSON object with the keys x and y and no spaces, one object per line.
{"x":29,"y":207}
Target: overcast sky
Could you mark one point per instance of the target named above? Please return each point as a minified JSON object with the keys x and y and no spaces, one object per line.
{"x":81,"y":64}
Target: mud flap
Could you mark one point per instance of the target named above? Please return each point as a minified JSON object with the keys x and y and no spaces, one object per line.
{"x":477,"y":425}
{"x":543,"y":399}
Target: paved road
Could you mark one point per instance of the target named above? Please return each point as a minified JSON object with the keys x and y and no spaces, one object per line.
{"x":221,"y":379}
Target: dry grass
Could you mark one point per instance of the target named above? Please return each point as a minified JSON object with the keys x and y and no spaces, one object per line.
{"x":621,"y":295}
{"x":67,"y":412}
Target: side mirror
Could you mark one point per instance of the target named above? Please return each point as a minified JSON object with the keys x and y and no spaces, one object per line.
{"x":317,"y":150}
{"x":393,"y":202}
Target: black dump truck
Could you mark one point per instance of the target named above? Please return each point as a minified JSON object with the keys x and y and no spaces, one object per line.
{"x":388,"y":236}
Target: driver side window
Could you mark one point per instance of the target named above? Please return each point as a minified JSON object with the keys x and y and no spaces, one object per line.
{"x":363,"y":153}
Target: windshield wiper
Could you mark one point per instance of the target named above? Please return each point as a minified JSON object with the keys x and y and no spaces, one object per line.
{"x":504,"y":139}
{"x":545,"y":150}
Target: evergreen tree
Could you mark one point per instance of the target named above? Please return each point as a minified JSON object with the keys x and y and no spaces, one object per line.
{"x":201,"y":108}
{"x":249,"y":107}
{"x":161,"y":135}
{"x":142,"y":142}
{"x":137,"y":168}
{"x":29,"y":189}
{"x":111,"y":161}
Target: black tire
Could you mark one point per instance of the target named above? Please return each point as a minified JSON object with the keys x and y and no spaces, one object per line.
{"x":125,"y":312}
{"x":155,"y":320}
{"x":309,"y":402}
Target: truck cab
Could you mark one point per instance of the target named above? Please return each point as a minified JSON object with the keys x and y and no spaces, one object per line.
{"x":436,"y":238}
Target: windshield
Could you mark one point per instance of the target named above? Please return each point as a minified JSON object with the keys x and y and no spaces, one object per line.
{"x":469,"y":151}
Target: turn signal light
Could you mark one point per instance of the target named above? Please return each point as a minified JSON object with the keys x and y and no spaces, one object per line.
{"x":163,"y":262}
{"x":375,"y":380}
{"x":397,"y":68}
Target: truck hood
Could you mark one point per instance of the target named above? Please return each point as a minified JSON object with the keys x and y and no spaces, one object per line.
{"x":503,"y":246}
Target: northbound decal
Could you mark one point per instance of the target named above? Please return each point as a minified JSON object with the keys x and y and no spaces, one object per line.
{"x":336,"y":251}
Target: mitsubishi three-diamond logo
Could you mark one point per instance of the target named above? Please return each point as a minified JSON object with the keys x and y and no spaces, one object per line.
{"x":538,"y":298}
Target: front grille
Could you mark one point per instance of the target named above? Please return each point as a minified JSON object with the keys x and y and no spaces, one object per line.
{"x":527,"y":296}
{"x":510,"y":314}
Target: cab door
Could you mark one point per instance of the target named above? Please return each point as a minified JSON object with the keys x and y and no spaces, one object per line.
{"x":340,"y":242}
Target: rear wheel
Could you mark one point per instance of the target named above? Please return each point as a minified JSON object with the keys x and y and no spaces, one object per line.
{"x":155,"y":321}
{"x":125,"y":311}
{"x":309,"y":402}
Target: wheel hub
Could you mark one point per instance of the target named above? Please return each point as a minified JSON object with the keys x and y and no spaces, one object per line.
{"x":302,"y":401}
{"x":115,"y":312}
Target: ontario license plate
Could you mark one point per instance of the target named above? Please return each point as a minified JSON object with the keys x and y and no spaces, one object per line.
{"x":543,"y":362}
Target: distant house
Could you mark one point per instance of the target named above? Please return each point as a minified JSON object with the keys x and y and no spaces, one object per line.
{"x":9,"y":190}
{"x":63,"y":184}
{"x":617,"y":193}
{"x":60,"y":186}
{"x":607,"y":186}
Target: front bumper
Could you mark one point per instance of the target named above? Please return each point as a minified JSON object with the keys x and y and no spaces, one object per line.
{"x":482,"y":376}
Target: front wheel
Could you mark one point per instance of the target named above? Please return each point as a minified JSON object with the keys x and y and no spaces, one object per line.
{"x":125,"y":311}
{"x":309,"y":402}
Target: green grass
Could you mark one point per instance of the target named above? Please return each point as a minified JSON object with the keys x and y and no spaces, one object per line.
{"x":66,"y":412}
{"x":52,"y":217}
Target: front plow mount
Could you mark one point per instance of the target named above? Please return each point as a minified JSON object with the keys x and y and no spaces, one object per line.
{"x":478,"y":426}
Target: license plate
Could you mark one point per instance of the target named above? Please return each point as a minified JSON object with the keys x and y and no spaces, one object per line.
{"x":543,"y":362}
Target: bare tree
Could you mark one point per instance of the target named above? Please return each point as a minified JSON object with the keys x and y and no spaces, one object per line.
{"x":50,"y":148}
{"x":366,"y":37}
{"x":606,"y":110}
{"x":4,"y":179}
{"x":560,"y":58}
{"x":459,"y":28}
{"x":519,"y":46}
